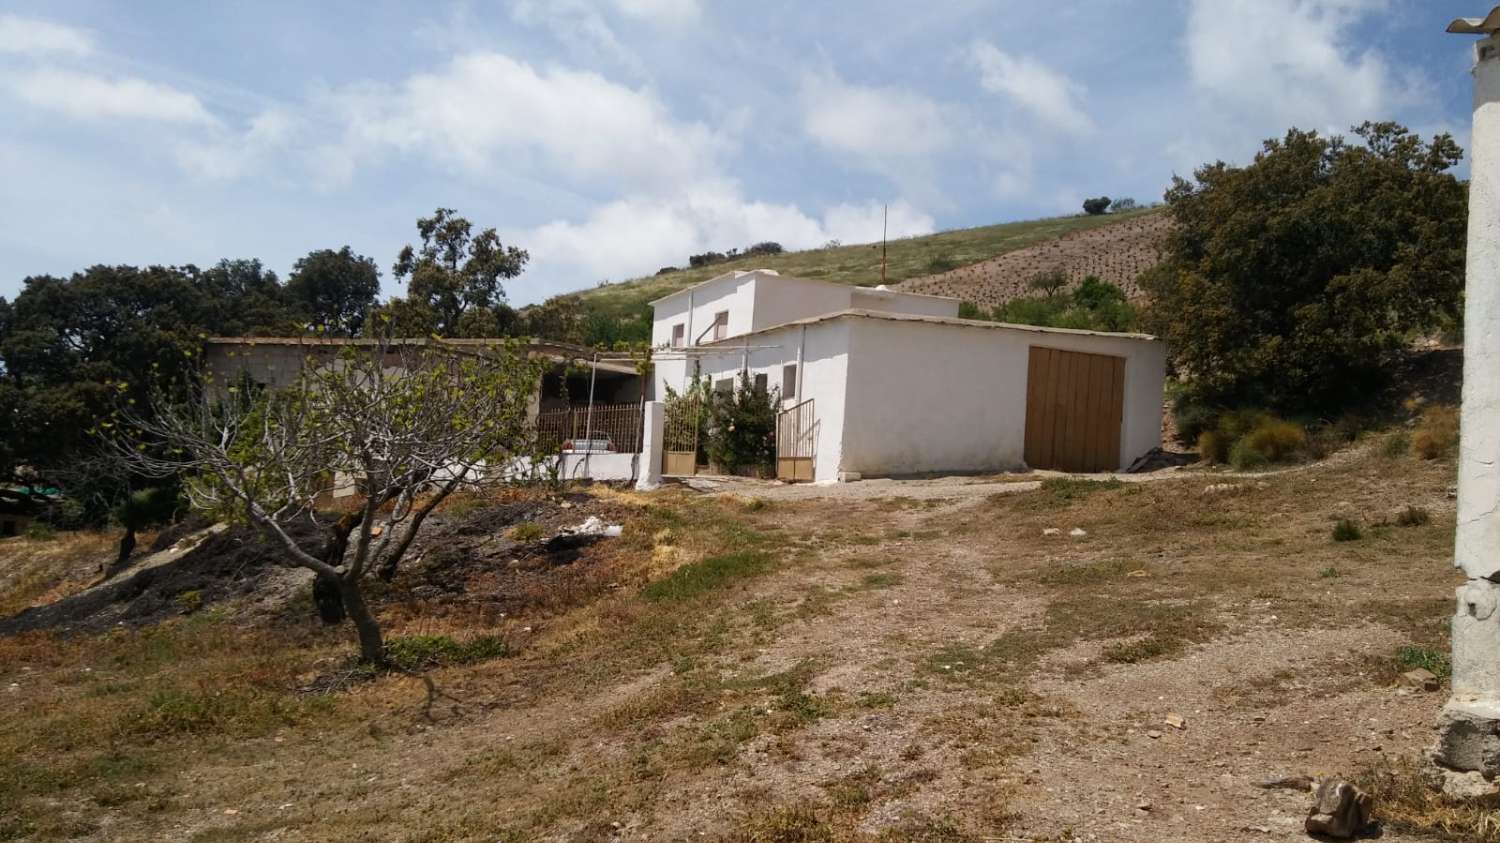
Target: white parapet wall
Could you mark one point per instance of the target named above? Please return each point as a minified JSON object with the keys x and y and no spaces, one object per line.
{"x":600,"y":467}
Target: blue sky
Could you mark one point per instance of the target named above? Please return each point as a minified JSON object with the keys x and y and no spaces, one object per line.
{"x":612,"y":137}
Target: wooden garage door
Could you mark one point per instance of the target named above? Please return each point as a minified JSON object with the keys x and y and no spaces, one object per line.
{"x":1074,"y":404}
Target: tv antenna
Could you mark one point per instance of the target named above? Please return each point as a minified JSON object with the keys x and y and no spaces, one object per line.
{"x":885,"y":218}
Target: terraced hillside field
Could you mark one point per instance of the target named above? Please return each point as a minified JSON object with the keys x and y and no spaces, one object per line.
{"x":1115,"y":253}
{"x":919,"y":260}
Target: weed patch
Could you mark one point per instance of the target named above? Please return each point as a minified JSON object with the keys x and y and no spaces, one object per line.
{"x":878,"y":581}
{"x":1347,"y":531}
{"x":1437,"y":432}
{"x":1413,"y":516}
{"x":1061,"y":492}
{"x":1436,"y":661}
{"x":698,"y":578}
{"x":420,"y":652}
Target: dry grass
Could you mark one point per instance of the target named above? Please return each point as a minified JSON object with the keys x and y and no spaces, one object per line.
{"x":39,"y":570}
{"x":873,"y":670}
{"x":1407,"y":797}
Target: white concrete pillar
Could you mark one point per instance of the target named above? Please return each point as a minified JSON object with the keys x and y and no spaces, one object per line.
{"x":1469,"y":727}
{"x":653,"y":435}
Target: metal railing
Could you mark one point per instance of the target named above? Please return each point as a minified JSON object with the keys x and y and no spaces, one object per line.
{"x":601,"y":429}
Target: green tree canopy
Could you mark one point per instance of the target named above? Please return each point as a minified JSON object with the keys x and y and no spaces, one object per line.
{"x":64,"y":341}
{"x":1291,"y":282}
{"x":335,"y":289}
{"x":456,"y":273}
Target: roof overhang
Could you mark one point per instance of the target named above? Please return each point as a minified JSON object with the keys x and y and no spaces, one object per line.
{"x":735,"y":343}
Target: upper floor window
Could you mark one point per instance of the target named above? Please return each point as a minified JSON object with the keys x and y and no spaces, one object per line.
{"x":678,"y":332}
{"x":789,"y":380}
{"x":721,"y":324}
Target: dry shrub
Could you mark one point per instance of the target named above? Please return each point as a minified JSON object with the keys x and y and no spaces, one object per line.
{"x":1276,"y":438}
{"x":1212,"y":447}
{"x":1437,"y":432}
{"x":1250,"y":439}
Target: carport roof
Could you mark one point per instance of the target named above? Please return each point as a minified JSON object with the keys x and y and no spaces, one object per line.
{"x":559,"y":351}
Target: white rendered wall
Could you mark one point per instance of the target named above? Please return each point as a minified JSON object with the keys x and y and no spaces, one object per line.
{"x":825,"y":359}
{"x":757,"y":300}
{"x":732,"y":292}
{"x":782,"y":299}
{"x":891,"y":301}
{"x":927,"y":397}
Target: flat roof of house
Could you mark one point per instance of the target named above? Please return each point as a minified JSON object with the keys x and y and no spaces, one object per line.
{"x":738,"y":273}
{"x":560,"y":351}
{"x":858,"y":313}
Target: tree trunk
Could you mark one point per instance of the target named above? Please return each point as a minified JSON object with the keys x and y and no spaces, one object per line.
{"x":371,"y":644}
{"x":328,"y":599}
{"x":327,"y":592}
{"x":122,"y":559}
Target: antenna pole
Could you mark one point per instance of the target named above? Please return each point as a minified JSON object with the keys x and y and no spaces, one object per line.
{"x":885,"y":218}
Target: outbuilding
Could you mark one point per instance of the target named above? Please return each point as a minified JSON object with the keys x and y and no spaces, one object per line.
{"x":876,"y":382}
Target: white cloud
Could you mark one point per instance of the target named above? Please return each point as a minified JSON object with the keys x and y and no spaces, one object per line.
{"x":1047,"y":94}
{"x":485,"y":110}
{"x":89,"y":96}
{"x":230,"y":157}
{"x":877,"y":123}
{"x":636,"y":235}
{"x":863,"y":223}
{"x":668,"y":13}
{"x":1278,"y":63}
{"x":33,"y":36}
{"x":574,"y":22}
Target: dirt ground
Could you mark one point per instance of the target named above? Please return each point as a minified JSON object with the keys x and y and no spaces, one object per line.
{"x":1032,"y":658}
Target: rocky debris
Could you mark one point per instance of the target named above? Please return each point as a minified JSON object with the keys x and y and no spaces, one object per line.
{"x":1339,"y":810}
{"x":1421,"y":678}
{"x":592,"y":526}
{"x":571,"y":539}
{"x":1078,"y":532}
{"x":1051,"y":531}
{"x":1287,"y":783}
{"x":1157,"y":459}
{"x":1466,"y":786}
{"x":1176,"y":721}
{"x":1468,"y":738}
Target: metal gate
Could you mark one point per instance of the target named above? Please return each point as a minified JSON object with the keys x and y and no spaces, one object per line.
{"x":796,"y":442}
{"x":679,"y":455}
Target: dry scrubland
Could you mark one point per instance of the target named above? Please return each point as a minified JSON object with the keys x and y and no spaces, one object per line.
{"x":738,"y":669}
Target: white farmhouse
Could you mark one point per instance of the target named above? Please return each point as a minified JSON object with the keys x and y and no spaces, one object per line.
{"x":887,"y":383}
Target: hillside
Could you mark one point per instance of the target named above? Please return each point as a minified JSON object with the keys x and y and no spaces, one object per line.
{"x":941,"y":257}
{"x":1115,"y":253}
